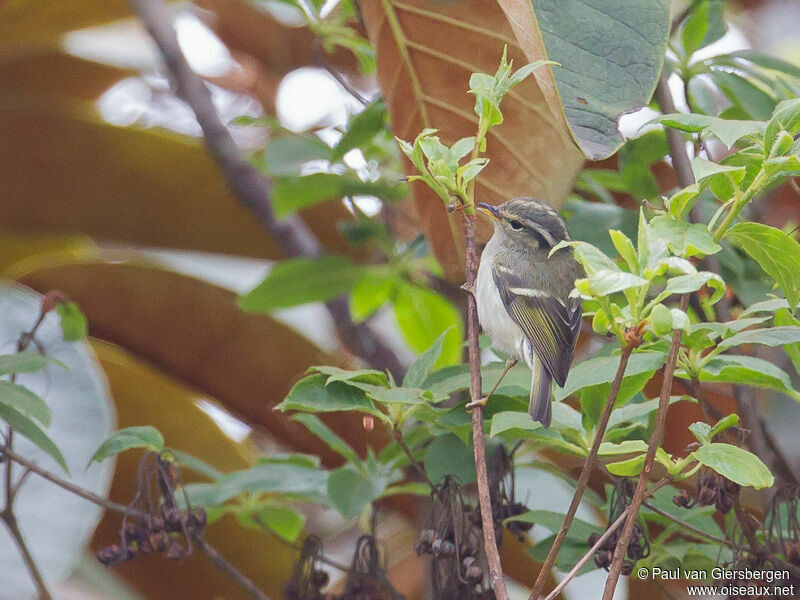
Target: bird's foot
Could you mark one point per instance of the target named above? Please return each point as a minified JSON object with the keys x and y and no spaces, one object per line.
{"x":479,"y":402}
{"x":470,"y":289}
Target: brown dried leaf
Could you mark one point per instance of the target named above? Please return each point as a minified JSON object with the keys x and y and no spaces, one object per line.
{"x":426,"y":52}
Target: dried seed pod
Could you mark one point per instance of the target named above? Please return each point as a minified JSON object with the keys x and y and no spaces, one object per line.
{"x":724,"y":503}
{"x":447,"y":549}
{"x":156,"y":523}
{"x":111,"y":555}
{"x":627,"y":568}
{"x":635,"y":551}
{"x":159,"y":540}
{"x":197,"y":518}
{"x":319,"y":578}
{"x":706,"y":495}
{"x":473,"y":574}
{"x":683,"y":499}
{"x":145,"y":547}
{"x":792,"y":552}
{"x":602,"y":559}
{"x":593,"y":538}
{"x":175,"y":551}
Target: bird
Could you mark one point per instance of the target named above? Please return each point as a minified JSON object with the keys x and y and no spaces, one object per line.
{"x":523,"y":295}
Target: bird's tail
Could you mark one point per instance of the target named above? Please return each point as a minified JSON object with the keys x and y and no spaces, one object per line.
{"x":540,"y":404}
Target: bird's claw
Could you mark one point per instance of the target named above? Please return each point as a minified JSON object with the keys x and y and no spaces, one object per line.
{"x":479,"y":402}
{"x":470,"y":289}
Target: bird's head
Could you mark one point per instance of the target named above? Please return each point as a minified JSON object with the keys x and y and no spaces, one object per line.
{"x":529,"y":222}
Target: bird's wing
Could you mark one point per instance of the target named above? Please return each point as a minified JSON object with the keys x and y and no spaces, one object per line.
{"x":550,"y":323}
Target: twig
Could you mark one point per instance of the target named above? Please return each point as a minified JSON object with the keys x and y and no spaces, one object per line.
{"x":690,"y":528}
{"x":201,"y":543}
{"x":13,"y":528}
{"x":747,"y":526}
{"x":227,"y":568}
{"x":252,"y":189}
{"x":414,"y":462}
{"x":484,"y":497}
{"x":654,"y":443}
{"x":585,"y":558}
{"x":586,"y":471}
{"x":321,"y":61}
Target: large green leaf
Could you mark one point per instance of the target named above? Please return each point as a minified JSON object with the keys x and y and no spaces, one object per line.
{"x":300,"y":281}
{"x":738,"y":465}
{"x":25,"y":401}
{"x":746,"y":370}
{"x":601,"y":370}
{"x":314,"y":394}
{"x":776,"y":252}
{"x":447,"y":455}
{"x":24,"y":362}
{"x":614,"y":45}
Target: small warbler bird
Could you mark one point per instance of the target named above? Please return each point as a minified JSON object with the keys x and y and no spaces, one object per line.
{"x":523,"y":296}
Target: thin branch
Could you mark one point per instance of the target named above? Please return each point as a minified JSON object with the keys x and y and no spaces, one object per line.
{"x":223,"y":565}
{"x":654,"y":443}
{"x":747,"y":526}
{"x":251,"y":188}
{"x":586,"y":471}
{"x":414,"y":462}
{"x":201,"y":543}
{"x":13,"y":528}
{"x":484,"y":498}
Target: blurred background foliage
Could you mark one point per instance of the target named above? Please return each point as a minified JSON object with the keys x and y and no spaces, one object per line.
{"x":108,"y":195}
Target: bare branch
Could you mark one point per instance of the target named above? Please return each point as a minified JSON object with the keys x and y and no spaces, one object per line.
{"x":248,"y":185}
{"x":13,"y":528}
{"x":484,"y":497}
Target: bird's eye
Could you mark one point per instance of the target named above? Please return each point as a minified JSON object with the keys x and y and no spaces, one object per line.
{"x":515,"y":225}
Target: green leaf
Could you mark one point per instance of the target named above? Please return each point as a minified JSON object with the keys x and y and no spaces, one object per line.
{"x":770,"y":336}
{"x":707,"y":172}
{"x":728,"y":131}
{"x":626,"y":468}
{"x":195,"y":464}
{"x":323,"y":432}
{"x":286,"y":155}
{"x":625,"y":248}
{"x":589,"y":222}
{"x":682,"y":201}
{"x":143,"y":436}
{"x":784,"y":318}
{"x":290,"y":194}
{"x":350,"y":491}
{"x":609,"y":39}
{"x":25,"y":401}
{"x":683,"y":284}
{"x":736,"y":464}
{"x":372,"y":376}
{"x":26,"y":362}
{"x":605,"y":282}
{"x":25,"y":426}
{"x":372,"y":291}
{"x":745,"y":94}
{"x":300,"y":281}
{"x":447,"y":455}
{"x":684,"y":239}
{"x":551,"y":520}
{"x":411,"y":488}
{"x":423,"y":316}
{"x":592,"y":259}
{"x":724,"y":423}
{"x":747,"y":370}
{"x":421,"y":367}
{"x":362,"y":129}
{"x":601,"y":370}
{"x":776,"y":252}
{"x":292,"y":479}
{"x":701,"y":431}
{"x":704,"y":26}
{"x":313,"y":394}
{"x":625,"y":447}
{"x":285,"y":523}
{"x":73,"y":322}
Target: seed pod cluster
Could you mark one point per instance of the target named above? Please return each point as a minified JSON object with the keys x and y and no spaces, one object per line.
{"x":712,"y":490}
{"x":156,"y":534}
{"x":638,"y":546}
{"x":165,"y":530}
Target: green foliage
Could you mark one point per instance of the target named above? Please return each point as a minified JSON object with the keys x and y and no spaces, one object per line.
{"x":144,"y":436}
{"x":300,"y":281}
{"x":73,"y":322}
{"x":26,"y":426}
{"x":25,"y":362}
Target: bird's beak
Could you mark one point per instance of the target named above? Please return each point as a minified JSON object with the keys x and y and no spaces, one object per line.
{"x":489,"y":209}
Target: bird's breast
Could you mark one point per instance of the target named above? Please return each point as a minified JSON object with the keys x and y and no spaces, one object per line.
{"x":494,"y":319}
